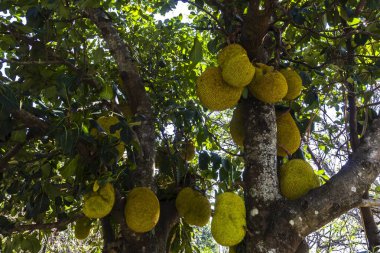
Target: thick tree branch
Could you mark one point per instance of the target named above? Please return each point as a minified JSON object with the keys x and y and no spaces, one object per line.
{"x":343,"y":191}
{"x":60,"y":225}
{"x":133,"y":86}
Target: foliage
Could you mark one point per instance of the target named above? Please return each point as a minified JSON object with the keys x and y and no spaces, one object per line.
{"x":60,"y":77}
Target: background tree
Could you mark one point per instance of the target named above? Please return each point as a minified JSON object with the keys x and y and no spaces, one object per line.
{"x":67,"y":63}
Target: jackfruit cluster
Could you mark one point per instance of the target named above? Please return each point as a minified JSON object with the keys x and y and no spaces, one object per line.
{"x":193,"y":207}
{"x":288,"y":135}
{"x":142,"y":210}
{"x":271,"y":86}
{"x":220,"y":88}
{"x":297,"y":178}
{"x":228,"y":224}
{"x":99,"y":203}
{"x":82,"y":228}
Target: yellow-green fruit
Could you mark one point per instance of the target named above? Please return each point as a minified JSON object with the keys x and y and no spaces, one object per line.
{"x":193,"y":207}
{"x":237,"y":124}
{"x":297,"y":177}
{"x":82,"y":228}
{"x":294,"y":82}
{"x":100,"y":203}
{"x":106,"y":122}
{"x":142,"y":210}
{"x":214,"y":93}
{"x":228,"y":223}
{"x":229,"y":51}
{"x":260,"y":70}
{"x":270,"y":88}
{"x":238,"y":71}
{"x":188,"y":151}
{"x":288,"y":135}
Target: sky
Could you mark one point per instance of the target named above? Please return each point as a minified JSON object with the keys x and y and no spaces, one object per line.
{"x":181,"y":8}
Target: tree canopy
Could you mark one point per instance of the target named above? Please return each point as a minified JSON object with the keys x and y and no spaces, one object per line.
{"x":69,"y":66}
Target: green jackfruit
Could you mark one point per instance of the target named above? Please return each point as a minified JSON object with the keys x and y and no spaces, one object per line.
{"x":294,"y":82}
{"x":82,"y":228}
{"x":98,"y":204}
{"x":214,"y":93}
{"x":237,"y":124}
{"x":142,"y":210}
{"x":238,"y":71}
{"x":193,"y":207}
{"x":288,"y":135}
{"x":269,"y":88}
{"x":229,"y":51}
{"x":297,"y":177}
{"x":228,"y":224}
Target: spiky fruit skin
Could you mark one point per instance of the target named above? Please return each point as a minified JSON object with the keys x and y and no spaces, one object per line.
{"x":229,"y":51}
{"x":82,"y":228}
{"x":260,"y":70}
{"x":100,"y":203}
{"x":188,"y":151}
{"x":288,"y":135}
{"x":228,"y":223}
{"x":142,"y":210}
{"x":270,"y":88}
{"x":193,"y":207}
{"x":297,"y":178}
{"x":294,"y":82}
{"x":238,"y":71}
{"x":214,"y":93}
{"x":237,"y":124}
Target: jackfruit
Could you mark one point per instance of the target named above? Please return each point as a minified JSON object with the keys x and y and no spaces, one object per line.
{"x":229,"y":51}
{"x":214,"y":93}
{"x":237,"y":124}
{"x":188,"y":151}
{"x":106,"y":122}
{"x":260,"y":70}
{"x":238,"y":71}
{"x":228,"y":224}
{"x":193,"y":207}
{"x":294,"y":82}
{"x":288,"y":135}
{"x":82,"y":228}
{"x":142,"y":210}
{"x":297,"y":177}
{"x":270,"y":88}
{"x":99,"y":203}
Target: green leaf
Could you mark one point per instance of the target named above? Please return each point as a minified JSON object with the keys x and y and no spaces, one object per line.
{"x":18,"y":136}
{"x":70,"y":168}
{"x":107,"y":92}
{"x":196,"y":54}
{"x":204,"y":160}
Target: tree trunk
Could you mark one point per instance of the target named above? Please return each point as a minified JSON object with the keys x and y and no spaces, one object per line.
{"x":154,"y":241}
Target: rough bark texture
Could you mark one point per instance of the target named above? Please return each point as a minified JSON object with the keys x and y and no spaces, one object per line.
{"x":134,"y":88}
{"x":369,"y":224}
{"x":260,"y":176}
